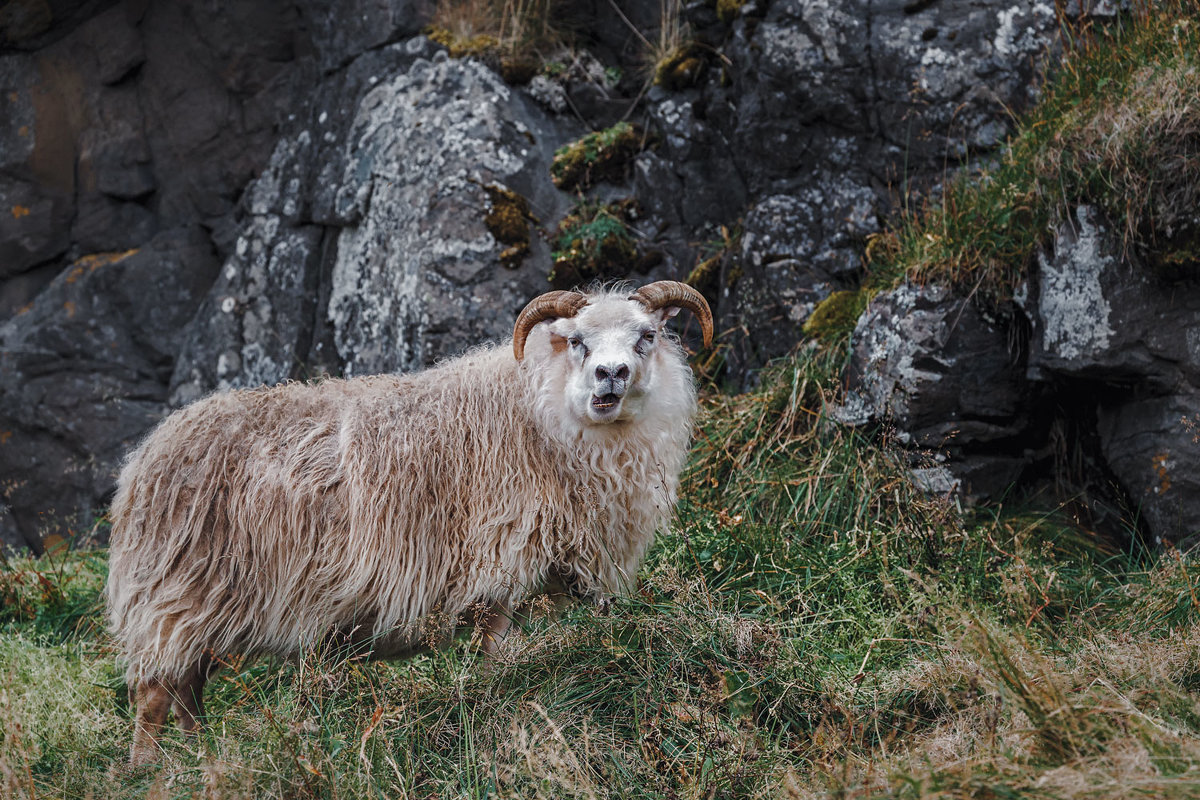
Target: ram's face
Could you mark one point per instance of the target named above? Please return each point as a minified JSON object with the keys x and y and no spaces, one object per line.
{"x":609,"y":348}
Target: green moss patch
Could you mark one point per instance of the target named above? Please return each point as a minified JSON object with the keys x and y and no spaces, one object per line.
{"x":600,"y":156}
{"x":834,"y":317}
{"x":594,"y":242}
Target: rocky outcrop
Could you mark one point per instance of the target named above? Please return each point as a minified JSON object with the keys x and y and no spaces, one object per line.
{"x":83,"y":376}
{"x":927,"y":361}
{"x":1112,"y":359}
{"x":365,"y":248}
{"x":842,"y":108}
{"x":1104,"y":320}
{"x":194,"y":198}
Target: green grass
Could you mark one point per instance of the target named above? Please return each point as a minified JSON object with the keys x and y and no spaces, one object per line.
{"x":812,"y":628}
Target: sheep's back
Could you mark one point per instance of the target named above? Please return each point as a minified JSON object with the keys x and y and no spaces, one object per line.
{"x":255,"y":520}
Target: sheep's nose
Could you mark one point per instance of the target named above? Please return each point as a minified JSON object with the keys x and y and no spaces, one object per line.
{"x":610,"y":372}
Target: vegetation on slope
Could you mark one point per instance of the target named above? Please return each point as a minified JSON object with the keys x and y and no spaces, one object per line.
{"x":1118,"y":127}
{"x":813,"y":627}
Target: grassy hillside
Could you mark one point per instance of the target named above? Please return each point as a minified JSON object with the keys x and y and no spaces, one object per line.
{"x":812,"y":628}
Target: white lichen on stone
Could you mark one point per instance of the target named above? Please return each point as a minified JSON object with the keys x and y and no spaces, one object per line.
{"x":421,"y":145}
{"x":938,"y":481}
{"x":1073,"y":309}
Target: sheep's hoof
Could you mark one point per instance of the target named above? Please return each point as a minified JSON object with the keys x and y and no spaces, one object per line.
{"x":143,"y":754}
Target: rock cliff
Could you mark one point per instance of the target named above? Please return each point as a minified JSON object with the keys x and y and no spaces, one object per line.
{"x":195,"y":196}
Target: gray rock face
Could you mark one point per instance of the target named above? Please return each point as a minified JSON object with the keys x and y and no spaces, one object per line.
{"x":830,"y":105}
{"x":1100,"y":315}
{"x":1153,"y":446}
{"x":417,"y":275}
{"x":926,"y":361}
{"x":795,"y":249}
{"x":83,"y":375}
{"x":1105,"y":320}
{"x":365,"y":248}
{"x":260,"y":322}
{"x":1113,"y":345}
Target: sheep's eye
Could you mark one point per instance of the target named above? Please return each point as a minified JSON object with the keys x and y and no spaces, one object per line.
{"x":648,"y":336}
{"x":575,"y":341}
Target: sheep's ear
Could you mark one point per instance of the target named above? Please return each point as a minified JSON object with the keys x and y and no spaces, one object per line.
{"x":665,"y":313}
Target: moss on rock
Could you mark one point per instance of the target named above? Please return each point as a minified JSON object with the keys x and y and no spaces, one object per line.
{"x":508,"y":219}
{"x":594,"y":243}
{"x":836,"y":315}
{"x":681,"y":68}
{"x":600,"y":156}
{"x":727,"y":10}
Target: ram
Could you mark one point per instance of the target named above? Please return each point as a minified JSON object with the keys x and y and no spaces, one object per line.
{"x":389,"y":510}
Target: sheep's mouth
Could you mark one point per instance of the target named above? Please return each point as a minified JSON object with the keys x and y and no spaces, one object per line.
{"x":605,"y":402}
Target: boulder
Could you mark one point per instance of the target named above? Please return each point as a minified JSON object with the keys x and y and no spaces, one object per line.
{"x":365,"y":247}
{"x":1131,"y":336}
{"x":927,"y":362}
{"x":417,"y":275}
{"x":1152,"y":445}
{"x":1101,"y":315}
{"x":83,"y":375}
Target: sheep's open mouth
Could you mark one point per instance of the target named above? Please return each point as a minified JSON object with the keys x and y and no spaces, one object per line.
{"x":605,"y":402}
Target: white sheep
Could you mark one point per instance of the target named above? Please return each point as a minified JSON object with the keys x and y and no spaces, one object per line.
{"x":390,"y":509}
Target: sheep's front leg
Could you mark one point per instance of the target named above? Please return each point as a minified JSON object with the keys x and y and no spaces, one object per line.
{"x":493,"y":624}
{"x":189,"y":695}
{"x":153,"y":700}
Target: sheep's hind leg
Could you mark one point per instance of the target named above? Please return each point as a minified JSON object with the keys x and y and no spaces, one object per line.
{"x":493,"y":625}
{"x":153,"y":699}
{"x":188,"y":695}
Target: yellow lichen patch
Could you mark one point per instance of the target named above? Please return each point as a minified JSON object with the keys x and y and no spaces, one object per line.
{"x":5,"y":436}
{"x":69,"y":307}
{"x":1159,"y":463}
{"x":93,"y":262}
{"x":704,"y":274}
{"x":478,"y":45}
{"x":508,"y":221}
{"x":727,"y":10}
{"x":20,"y":211}
{"x":23,"y":131}
{"x":681,"y":68}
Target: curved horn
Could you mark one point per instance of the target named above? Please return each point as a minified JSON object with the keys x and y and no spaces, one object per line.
{"x":673,"y":293}
{"x":551,"y":305}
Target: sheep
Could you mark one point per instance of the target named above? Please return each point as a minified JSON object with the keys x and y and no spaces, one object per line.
{"x":390,"y":509}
